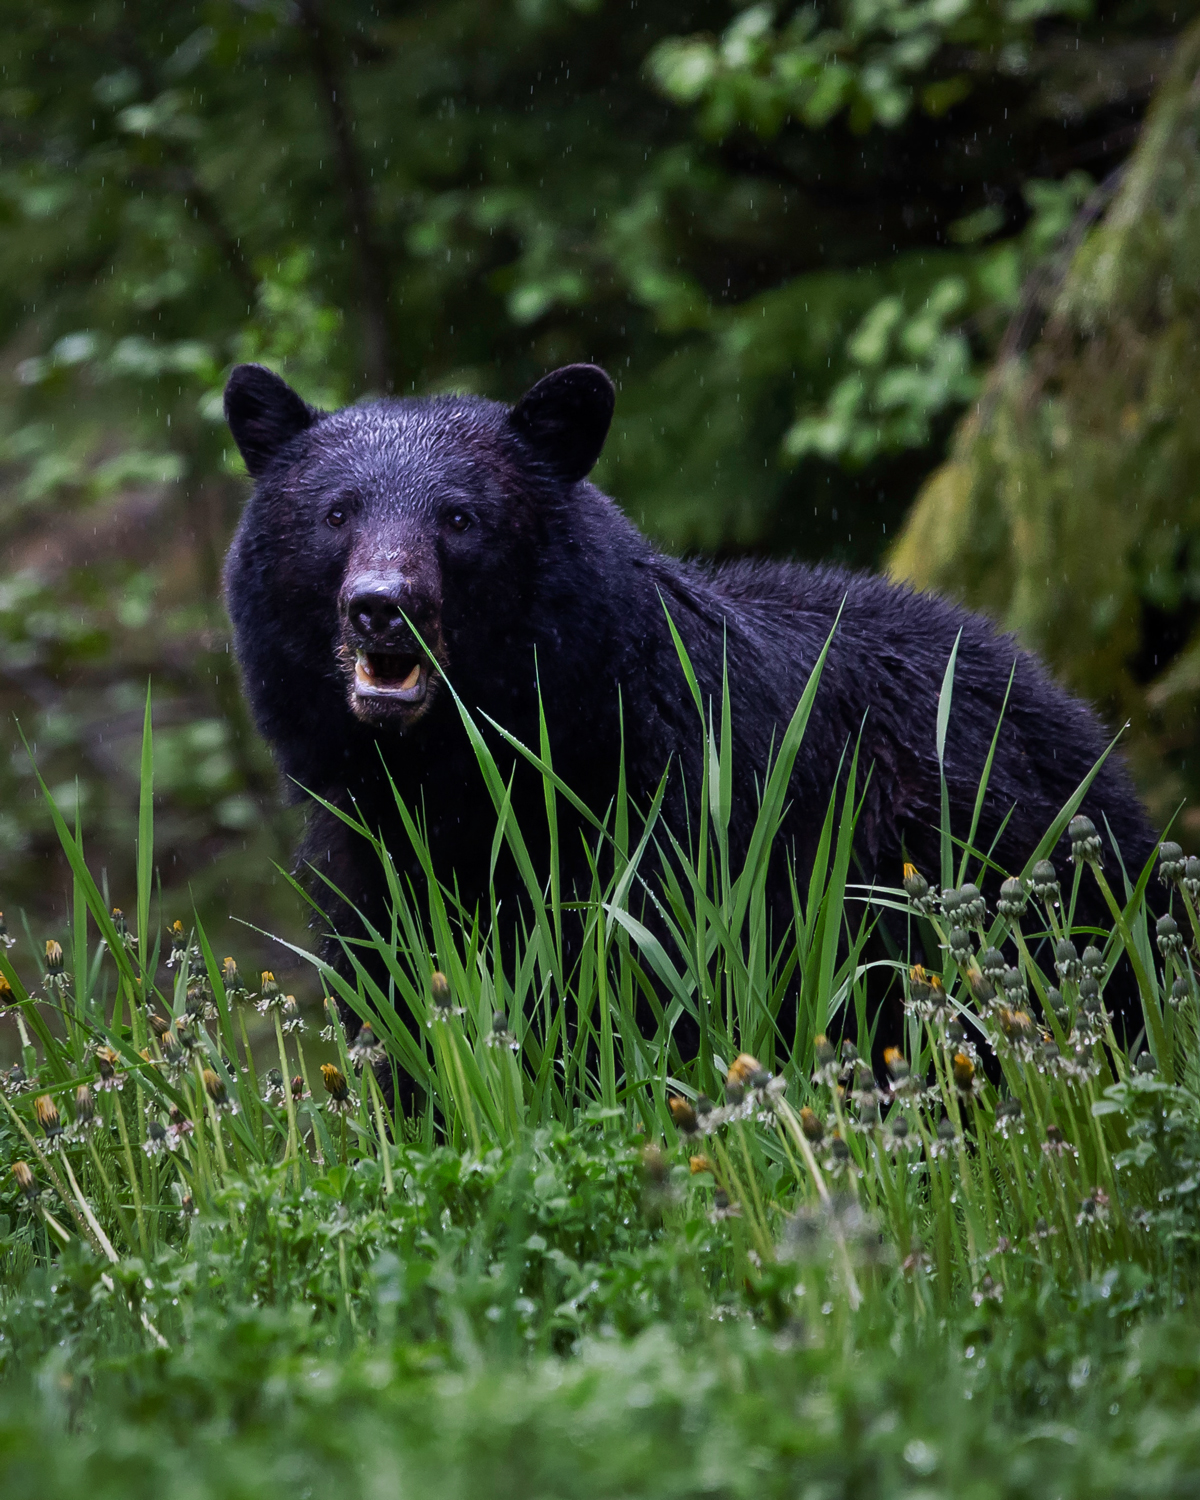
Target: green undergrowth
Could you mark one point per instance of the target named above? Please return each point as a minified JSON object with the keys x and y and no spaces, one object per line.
{"x":591,"y":1260}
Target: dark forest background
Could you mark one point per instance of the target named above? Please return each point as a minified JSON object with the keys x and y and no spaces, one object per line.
{"x":804,"y":240}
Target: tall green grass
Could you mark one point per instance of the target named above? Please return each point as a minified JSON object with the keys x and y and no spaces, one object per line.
{"x":141,"y":1112}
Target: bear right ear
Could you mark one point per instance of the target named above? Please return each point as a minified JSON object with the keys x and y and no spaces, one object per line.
{"x":263,"y":413}
{"x":565,"y":418}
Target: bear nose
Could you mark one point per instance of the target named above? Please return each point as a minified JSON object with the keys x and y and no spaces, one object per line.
{"x":376,"y":613}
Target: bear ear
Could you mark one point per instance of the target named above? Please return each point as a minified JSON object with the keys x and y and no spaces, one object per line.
{"x":263,"y":413}
{"x":565,"y":418}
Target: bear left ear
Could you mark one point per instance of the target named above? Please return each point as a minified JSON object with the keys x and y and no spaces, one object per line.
{"x":264,"y":414}
{"x":565,"y":418}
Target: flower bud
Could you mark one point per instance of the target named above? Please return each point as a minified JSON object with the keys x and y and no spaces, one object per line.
{"x":993,"y":963}
{"x":335,"y":1083}
{"x":46,"y":1111}
{"x":1044,"y":882}
{"x":1169,"y":938}
{"x":1012,"y":982}
{"x":178,"y":944}
{"x":1170,"y":863}
{"x":1085,"y":841}
{"x":972,"y":909}
{"x":917,"y":889}
{"x":683,"y":1115}
{"x":1016,"y":1025}
{"x":214,"y":1086}
{"x":1066,"y":959}
{"x":1012,"y":899}
{"x":742,"y":1069}
{"x":811,"y":1125}
{"x":896,"y":1063}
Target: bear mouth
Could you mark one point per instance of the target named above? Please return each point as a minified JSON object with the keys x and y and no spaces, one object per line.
{"x":399,"y":677}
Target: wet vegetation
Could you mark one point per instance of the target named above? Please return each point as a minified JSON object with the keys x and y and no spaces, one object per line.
{"x":591,"y":1262}
{"x":837,"y":257}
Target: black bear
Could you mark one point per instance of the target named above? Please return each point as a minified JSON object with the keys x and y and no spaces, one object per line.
{"x":475,"y":521}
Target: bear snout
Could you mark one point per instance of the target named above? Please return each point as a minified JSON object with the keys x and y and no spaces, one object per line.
{"x":391,"y":644}
{"x":375,"y":614}
{"x":379,"y":610}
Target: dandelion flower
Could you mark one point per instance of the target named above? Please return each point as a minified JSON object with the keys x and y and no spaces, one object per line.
{"x":179,"y":944}
{"x":46,"y":1111}
{"x":443,"y":999}
{"x":26,"y":1182}
{"x":107,"y":1059}
{"x":683,"y":1115}
{"x":215,"y":1088}
{"x":56,"y":978}
{"x":341,"y":1100}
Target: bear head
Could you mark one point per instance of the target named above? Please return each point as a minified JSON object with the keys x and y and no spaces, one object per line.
{"x":393,"y":541}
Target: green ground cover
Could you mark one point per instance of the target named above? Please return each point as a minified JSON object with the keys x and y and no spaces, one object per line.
{"x":591,"y":1265}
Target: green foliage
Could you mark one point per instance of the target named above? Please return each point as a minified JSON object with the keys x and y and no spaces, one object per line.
{"x":256,"y":1400}
{"x":908,"y":369}
{"x":872,"y":59}
{"x":573,"y":1274}
{"x":1068,"y":507}
{"x":796,"y":236}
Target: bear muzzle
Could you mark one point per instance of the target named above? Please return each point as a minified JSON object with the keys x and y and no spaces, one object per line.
{"x":391,"y":641}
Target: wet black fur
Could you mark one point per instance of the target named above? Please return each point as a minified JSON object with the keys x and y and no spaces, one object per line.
{"x":552,"y":570}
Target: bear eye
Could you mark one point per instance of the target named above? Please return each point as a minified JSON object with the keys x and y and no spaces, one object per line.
{"x":336,"y":517}
{"x":458,"y":520}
